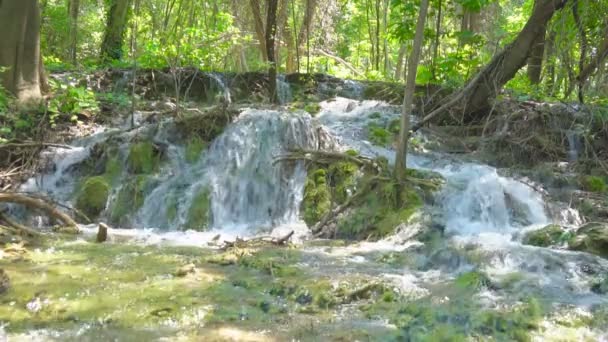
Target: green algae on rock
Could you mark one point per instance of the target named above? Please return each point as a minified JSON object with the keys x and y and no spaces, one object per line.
{"x":592,"y":238}
{"x":143,"y":158}
{"x":93,"y":196}
{"x":547,"y":236}
{"x":130,"y":198}
{"x":198,"y":214}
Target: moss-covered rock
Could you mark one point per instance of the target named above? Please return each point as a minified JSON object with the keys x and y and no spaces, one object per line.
{"x":378,"y":135}
{"x":194,"y":148}
{"x":198,"y":214}
{"x":130,"y":198}
{"x":317,"y":197}
{"x":93,"y":196}
{"x":544,"y":237}
{"x":592,"y":238}
{"x":312,"y":108}
{"x":143,"y":158}
{"x":594,"y":184}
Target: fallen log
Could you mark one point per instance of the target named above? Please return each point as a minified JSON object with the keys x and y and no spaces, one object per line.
{"x":39,"y":205}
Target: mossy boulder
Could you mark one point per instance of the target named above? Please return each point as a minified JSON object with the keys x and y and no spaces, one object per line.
{"x":592,"y":238}
{"x":143,"y":158}
{"x":130,"y":198}
{"x":93,"y":196}
{"x":317,"y":197}
{"x":544,"y":237}
{"x":312,"y":108}
{"x":194,"y":149}
{"x":198,"y":214}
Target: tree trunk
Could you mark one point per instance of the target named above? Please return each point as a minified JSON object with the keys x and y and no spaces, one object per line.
{"x":475,"y":97}
{"x":111,"y":47}
{"x":535,"y":62}
{"x":73,"y":9}
{"x":437,"y":40}
{"x":271,"y":30}
{"x":20,"y":49}
{"x":550,"y":62}
{"x":583,"y":45}
{"x":400,"y":58}
{"x":410,"y":87}
{"x":304,"y":35}
{"x":259,"y":28}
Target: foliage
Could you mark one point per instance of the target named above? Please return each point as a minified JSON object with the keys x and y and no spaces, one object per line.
{"x":594,"y":184}
{"x":68,"y":101}
{"x":194,"y":148}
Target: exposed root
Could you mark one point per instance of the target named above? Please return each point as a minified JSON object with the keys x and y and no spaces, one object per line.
{"x":328,"y":157}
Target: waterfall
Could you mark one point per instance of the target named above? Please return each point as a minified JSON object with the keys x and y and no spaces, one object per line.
{"x":283,"y":90}
{"x":218,"y":79}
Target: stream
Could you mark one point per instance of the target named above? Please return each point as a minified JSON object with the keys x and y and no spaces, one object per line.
{"x":482,"y":216}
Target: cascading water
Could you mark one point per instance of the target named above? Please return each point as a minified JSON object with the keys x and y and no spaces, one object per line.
{"x":283,"y":89}
{"x":218,"y":79}
{"x":482,"y":213}
{"x":480,"y":210}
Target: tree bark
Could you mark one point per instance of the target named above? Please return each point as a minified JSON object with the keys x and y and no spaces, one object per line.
{"x":20,"y":49}
{"x":400,"y":58}
{"x":550,"y":62}
{"x":111,"y":47}
{"x":410,"y":87}
{"x":583,"y":46}
{"x":535,"y":62}
{"x":73,"y":9}
{"x":259,"y":28}
{"x":437,"y":40}
{"x":474,"y":99}
{"x":271,"y":30}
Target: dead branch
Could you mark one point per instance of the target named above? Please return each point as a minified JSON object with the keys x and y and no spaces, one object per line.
{"x":27,"y":144}
{"x":40,"y":205}
{"x":17,"y":227}
{"x":327,"y":157}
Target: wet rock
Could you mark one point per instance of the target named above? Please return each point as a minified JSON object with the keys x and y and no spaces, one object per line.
{"x":600,"y":287}
{"x":591,"y":238}
{"x":544,"y":237}
{"x":93,"y":196}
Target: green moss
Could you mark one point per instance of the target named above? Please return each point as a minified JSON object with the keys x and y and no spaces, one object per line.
{"x":394,"y":126}
{"x":312,"y":108}
{"x":113,"y":169}
{"x":544,"y":237}
{"x":594,"y":184}
{"x":93,"y":196}
{"x":194,"y":148}
{"x":130,"y":198}
{"x":198,"y":214}
{"x":143,"y":158}
{"x":379,"y":212}
{"x":591,"y":238}
{"x":379,"y":135}
{"x":473,"y":280}
{"x":317,"y":197}
{"x":342,"y":178}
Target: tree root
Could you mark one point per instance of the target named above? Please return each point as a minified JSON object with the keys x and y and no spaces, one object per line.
{"x":38,"y":205}
{"x":328,"y":157}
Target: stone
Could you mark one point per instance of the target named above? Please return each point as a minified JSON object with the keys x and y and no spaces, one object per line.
{"x":544,"y":237}
{"x":102,"y":232}
{"x":592,"y":238}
